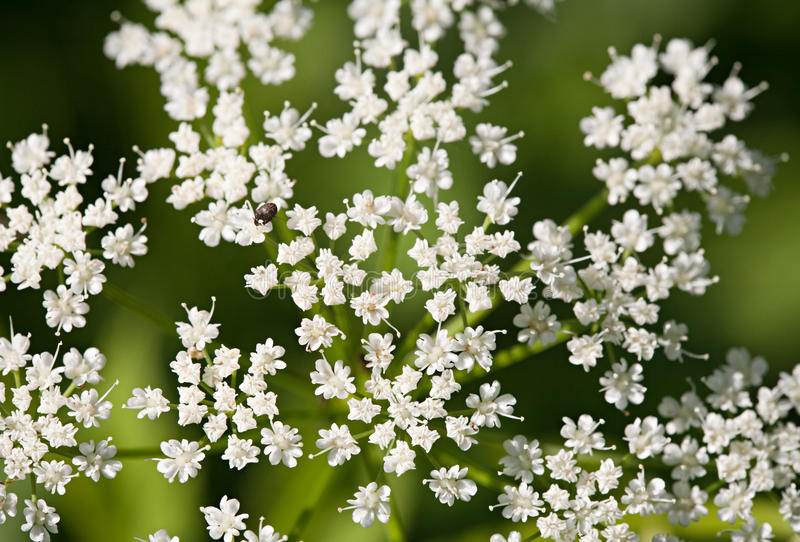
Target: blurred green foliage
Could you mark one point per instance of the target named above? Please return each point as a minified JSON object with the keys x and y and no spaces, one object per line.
{"x":54,"y":72}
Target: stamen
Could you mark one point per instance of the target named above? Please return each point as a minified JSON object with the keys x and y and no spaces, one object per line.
{"x":514,"y":182}
{"x":494,"y":90}
{"x":396,"y":331}
{"x":318,"y":126}
{"x":756,"y":90}
{"x":55,"y":356}
{"x":68,"y":143}
{"x":312,"y":456}
{"x":114,"y":385}
{"x":499,"y":69}
{"x":119,"y":171}
{"x":357,"y":47}
{"x":694,"y":356}
{"x":305,"y":115}
{"x":513,"y":137}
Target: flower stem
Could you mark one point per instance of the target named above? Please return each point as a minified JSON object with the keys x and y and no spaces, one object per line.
{"x":585,"y":214}
{"x":401,"y":191}
{"x":520,"y":352}
{"x":303,"y":518}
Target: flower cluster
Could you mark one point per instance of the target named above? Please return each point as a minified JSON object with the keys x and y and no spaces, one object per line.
{"x":735,"y":443}
{"x":211,"y":156}
{"x":210,"y":397}
{"x":420,"y":398}
{"x":226,"y":170}
{"x":580,"y":496}
{"x":404,"y":392}
{"x":400,"y":90}
{"x":677,"y":123}
{"x":45,"y":225}
{"x":40,"y":417}
{"x":223,"y":39}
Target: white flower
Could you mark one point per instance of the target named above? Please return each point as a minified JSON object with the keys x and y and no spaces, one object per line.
{"x":474,"y":345}
{"x":645,"y":437}
{"x":490,"y":405}
{"x":123,"y":243}
{"x":8,"y":504}
{"x":496,"y":204}
{"x":149,"y":402}
{"x":332,"y":381}
{"x":582,"y":437}
{"x":317,"y":332}
{"x":199,"y":331}
{"x":621,"y":384}
{"x":524,"y":459}
{"x":339,"y":442}
{"x":40,"y":520}
{"x":282,"y":443}
{"x":183,"y":459}
{"x":161,"y":536}
{"x":492,"y":146}
{"x":369,"y":503}
{"x":262,"y":279}
{"x":303,"y":220}
{"x":586,"y":350}
{"x":520,"y":503}
{"x":407,"y":215}
{"x":84,"y":274}
{"x":224,"y":522}
{"x":431,"y":172}
{"x":603,"y":128}
{"x":399,"y":459}
{"x":240,"y":452}
{"x":363,"y":245}
{"x":95,"y":461}
{"x":341,"y":135}
{"x":441,"y":305}
{"x":451,"y":484}
{"x":53,"y":475}
{"x":537,"y":324}
{"x":65,"y":309}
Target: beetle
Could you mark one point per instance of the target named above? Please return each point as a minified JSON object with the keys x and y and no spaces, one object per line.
{"x":265,"y":213}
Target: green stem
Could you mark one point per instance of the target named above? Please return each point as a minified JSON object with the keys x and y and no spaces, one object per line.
{"x":305,"y":514}
{"x":714,"y":486}
{"x":534,"y":536}
{"x":463,"y":308}
{"x":520,"y":352}
{"x":395,"y":525}
{"x":33,"y":487}
{"x":401,"y":190}
{"x":126,"y":300}
{"x":410,"y":341}
{"x":585,"y":214}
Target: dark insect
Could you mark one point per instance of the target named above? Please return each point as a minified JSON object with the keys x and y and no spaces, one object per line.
{"x":265,"y":213}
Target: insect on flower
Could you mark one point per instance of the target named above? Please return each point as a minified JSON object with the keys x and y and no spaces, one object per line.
{"x":265,"y":213}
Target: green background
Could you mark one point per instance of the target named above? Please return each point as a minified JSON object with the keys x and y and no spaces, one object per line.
{"x":53,"y":71}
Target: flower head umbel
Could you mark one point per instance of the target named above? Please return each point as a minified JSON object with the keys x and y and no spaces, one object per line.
{"x":48,"y":225}
{"x":44,"y":413}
